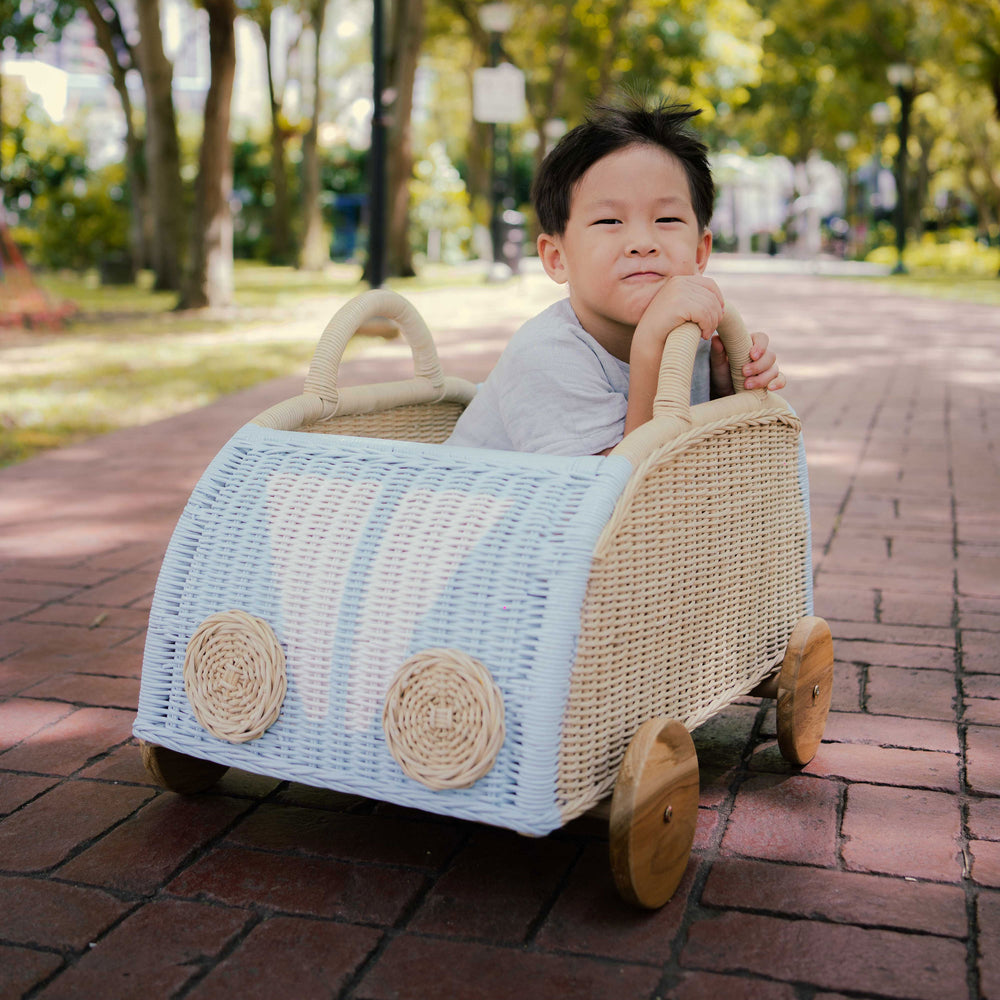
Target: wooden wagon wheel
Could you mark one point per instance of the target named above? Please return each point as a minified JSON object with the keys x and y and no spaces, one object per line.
{"x":177,"y":771}
{"x":805,"y":685}
{"x":654,"y":811}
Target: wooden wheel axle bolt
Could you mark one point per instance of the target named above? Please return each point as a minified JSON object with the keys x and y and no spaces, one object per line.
{"x":815,"y":692}
{"x":668,"y":814}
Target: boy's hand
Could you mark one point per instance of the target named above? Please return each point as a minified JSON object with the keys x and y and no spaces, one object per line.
{"x":681,"y":299}
{"x":684,"y":298}
{"x":760,"y":372}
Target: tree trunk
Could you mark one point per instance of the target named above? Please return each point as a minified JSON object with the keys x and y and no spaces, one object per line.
{"x":315,"y":251}
{"x":281,"y":232}
{"x":406,"y":36}
{"x":923,"y":174}
{"x":121,"y":58}
{"x":163,"y":157}
{"x":210,"y":280}
{"x":3,"y":174}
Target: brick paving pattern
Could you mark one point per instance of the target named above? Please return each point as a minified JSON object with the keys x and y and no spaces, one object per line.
{"x":872,"y":872}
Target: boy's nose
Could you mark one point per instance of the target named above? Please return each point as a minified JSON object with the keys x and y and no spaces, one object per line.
{"x":643,"y":249}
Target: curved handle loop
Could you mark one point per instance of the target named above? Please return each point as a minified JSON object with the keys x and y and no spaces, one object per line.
{"x":324,"y":368}
{"x":673,"y":390}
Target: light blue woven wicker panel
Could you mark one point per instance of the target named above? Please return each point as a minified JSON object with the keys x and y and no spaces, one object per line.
{"x":359,"y":553}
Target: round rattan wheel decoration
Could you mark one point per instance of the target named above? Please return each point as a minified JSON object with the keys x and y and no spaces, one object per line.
{"x":234,"y":675}
{"x":443,"y":719}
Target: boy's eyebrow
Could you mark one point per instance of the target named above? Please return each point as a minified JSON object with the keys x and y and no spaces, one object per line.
{"x":610,"y":202}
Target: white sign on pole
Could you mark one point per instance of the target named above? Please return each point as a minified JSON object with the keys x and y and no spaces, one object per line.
{"x":498,"y":94}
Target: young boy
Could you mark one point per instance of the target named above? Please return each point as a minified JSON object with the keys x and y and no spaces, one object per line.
{"x":624,"y":202}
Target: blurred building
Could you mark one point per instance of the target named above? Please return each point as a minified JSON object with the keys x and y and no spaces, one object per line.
{"x":766,"y":202}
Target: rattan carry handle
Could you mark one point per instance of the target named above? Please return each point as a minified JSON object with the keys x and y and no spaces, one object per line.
{"x":673,"y":390}
{"x":325,"y":366}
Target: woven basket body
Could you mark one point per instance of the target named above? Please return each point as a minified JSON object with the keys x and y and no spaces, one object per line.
{"x":696,"y":584}
{"x":373,"y":574}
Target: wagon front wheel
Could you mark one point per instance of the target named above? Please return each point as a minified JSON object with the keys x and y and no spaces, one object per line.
{"x":805,"y":686}
{"x":654,"y":811}
{"x":177,"y":771}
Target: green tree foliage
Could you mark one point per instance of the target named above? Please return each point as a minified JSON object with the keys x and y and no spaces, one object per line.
{"x":68,"y":215}
{"x":825,"y":66}
{"x":39,"y":155}
{"x":973,"y":31}
{"x":574,"y":53}
{"x":342,"y":174}
{"x":26,"y":24}
{"x":578,"y":52}
{"x":441,"y":222}
{"x":80,"y":225}
{"x":23,"y":26}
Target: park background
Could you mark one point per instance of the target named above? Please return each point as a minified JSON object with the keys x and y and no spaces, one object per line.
{"x":177,"y":175}
{"x":871,"y":874}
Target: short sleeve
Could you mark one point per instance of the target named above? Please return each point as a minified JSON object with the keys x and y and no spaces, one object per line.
{"x":558,"y":400}
{"x":557,"y":391}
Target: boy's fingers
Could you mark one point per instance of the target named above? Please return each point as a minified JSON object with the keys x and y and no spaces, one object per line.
{"x":762,"y":371}
{"x":761,"y":365}
{"x":758,"y":345}
{"x":771,"y":378}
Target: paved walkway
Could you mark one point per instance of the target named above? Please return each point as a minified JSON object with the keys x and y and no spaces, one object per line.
{"x":872,"y":872}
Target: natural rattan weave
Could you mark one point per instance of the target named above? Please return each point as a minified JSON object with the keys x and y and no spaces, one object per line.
{"x":696,"y":584}
{"x":234,"y":674}
{"x":430,"y":422}
{"x":443,"y":719}
{"x":422,"y":408}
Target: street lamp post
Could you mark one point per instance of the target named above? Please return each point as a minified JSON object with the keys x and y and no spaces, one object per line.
{"x":377,"y":193}
{"x":880,"y":115}
{"x":496,"y":18}
{"x":845,"y":143}
{"x":901,"y":77}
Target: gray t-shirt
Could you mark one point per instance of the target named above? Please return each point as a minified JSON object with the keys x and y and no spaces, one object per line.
{"x":556,"y":391}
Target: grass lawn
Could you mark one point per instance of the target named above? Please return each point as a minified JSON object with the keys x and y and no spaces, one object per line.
{"x":980,"y":289}
{"x":128,"y":358}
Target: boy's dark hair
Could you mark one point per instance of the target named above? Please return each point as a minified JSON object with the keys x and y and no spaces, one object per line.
{"x":606,"y":130}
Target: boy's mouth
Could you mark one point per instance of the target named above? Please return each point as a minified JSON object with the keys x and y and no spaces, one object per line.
{"x":642,"y":276}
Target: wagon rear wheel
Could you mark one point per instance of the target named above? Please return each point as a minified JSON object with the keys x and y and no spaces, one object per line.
{"x":805,"y":686}
{"x":654,"y":811}
{"x":177,"y":771}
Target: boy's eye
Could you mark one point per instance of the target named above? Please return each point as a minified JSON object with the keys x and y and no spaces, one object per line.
{"x":669,"y":218}
{"x":606,"y":222}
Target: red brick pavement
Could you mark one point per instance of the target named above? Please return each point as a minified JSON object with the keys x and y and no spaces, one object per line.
{"x":872,"y":872}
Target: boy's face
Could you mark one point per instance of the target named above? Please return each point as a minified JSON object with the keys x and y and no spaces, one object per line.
{"x":631,"y":227}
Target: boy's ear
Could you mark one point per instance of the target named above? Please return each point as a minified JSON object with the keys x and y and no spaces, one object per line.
{"x":704,"y":250}
{"x":551,"y":255}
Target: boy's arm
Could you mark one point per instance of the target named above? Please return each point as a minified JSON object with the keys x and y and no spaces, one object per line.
{"x":697,"y":299}
{"x":760,"y":372}
{"x":683,"y":298}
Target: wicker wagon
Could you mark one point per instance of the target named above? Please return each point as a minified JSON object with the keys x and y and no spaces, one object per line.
{"x":350,"y":603}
